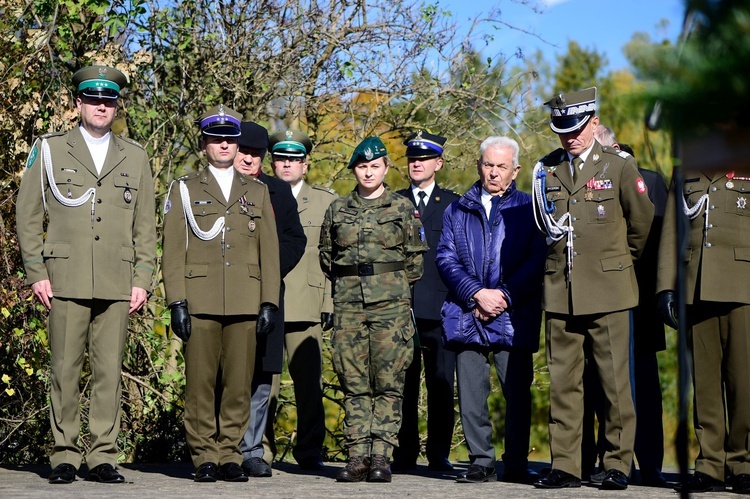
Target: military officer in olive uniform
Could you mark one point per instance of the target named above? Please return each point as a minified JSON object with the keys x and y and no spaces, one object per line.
{"x":91,"y":264}
{"x":424,"y":152}
{"x":718,"y":317}
{"x":371,"y":247}
{"x":593,"y":206}
{"x":310,"y":292}
{"x":221,"y":276}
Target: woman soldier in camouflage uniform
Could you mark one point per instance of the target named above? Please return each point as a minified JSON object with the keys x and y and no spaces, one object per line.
{"x":371,"y":246}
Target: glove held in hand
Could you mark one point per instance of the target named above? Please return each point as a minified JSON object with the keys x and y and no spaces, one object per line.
{"x":266,"y":319}
{"x":180,"y":322}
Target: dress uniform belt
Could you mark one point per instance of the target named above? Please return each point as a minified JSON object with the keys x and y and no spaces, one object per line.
{"x":363,"y":269}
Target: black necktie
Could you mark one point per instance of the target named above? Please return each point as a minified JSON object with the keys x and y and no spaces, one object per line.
{"x":576,"y":168}
{"x":421,"y":205}
{"x":495,"y":200}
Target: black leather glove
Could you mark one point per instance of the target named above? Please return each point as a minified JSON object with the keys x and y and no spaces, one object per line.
{"x":266,"y":319}
{"x":180,"y":322}
{"x":667,"y":308}
{"x":326,"y":320}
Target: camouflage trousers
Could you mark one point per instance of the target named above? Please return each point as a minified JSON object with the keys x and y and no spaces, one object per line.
{"x":372,"y":345}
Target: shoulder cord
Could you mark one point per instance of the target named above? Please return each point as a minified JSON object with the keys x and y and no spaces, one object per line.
{"x":692,"y":213}
{"x":47,"y":167}
{"x":217,"y":228}
{"x":545,"y":221}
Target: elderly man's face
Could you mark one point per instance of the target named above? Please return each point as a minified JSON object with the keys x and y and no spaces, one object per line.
{"x":577,"y":142}
{"x":496,"y":170}
{"x":248,"y":160}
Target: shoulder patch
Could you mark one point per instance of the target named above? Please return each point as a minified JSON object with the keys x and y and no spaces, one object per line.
{"x":554,"y":158}
{"x":32,"y":154}
{"x":131,"y":141}
{"x":187,"y":176}
{"x":325,"y":189}
{"x":623,"y":155}
{"x":52,"y":134}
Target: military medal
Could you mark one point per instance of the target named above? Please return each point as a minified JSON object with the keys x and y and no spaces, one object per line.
{"x":741,"y":203}
{"x":251,"y":225}
{"x":730,"y":184}
{"x":600,"y":211}
{"x":243,"y":209}
{"x":70,"y":194}
{"x":589,"y":196}
{"x":127,"y":196}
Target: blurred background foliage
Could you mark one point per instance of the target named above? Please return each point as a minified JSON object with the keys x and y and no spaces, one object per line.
{"x":340,"y":70}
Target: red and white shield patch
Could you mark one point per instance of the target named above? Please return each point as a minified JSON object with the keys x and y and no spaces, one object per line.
{"x":641,"y":185}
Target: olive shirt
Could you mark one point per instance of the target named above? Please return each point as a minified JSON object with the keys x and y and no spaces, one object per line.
{"x":382,"y":230}
{"x":611,"y":215}
{"x":230,"y":277}
{"x":90,"y":251}
{"x":307,"y":288}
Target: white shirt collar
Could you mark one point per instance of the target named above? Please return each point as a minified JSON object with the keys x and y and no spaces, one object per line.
{"x":427,"y":190}
{"x":297,"y":188}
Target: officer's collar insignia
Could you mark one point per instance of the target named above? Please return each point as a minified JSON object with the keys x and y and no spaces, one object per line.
{"x":596,"y":157}
{"x":368,"y":154}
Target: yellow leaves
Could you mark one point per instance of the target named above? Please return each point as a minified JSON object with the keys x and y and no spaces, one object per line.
{"x":5,"y":312}
{"x":10,"y":391}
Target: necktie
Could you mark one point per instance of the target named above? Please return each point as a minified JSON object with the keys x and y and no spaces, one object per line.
{"x":576,"y":168}
{"x":495,"y":200}
{"x":421,"y":205}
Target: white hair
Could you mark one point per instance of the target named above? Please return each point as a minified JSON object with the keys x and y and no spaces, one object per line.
{"x":605,"y":135}
{"x":498,"y":142}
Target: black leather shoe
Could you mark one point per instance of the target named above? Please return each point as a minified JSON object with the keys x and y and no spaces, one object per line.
{"x":598,"y":478}
{"x":207,"y":472}
{"x":477,"y":474}
{"x":380,"y":470}
{"x":652,"y":477}
{"x":105,"y":473}
{"x":700,"y":482}
{"x":310,"y":464}
{"x":256,"y":467}
{"x":232,"y":472}
{"x":524,"y":475}
{"x":741,"y":484}
{"x":615,"y":480}
{"x":355,"y":470}
{"x":63,"y":473}
{"x":558,"y":479}
{"x":439,"y":465}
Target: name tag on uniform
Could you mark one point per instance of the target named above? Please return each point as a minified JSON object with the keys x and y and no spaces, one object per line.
{"x":199,"y":203}
{"x":552,"y":188}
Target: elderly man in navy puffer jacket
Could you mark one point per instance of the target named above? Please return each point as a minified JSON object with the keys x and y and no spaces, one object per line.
{"x":491,"y":257}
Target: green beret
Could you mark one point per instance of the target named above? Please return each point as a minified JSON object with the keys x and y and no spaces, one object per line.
{"x":290,"y":143}
{"x":220,"y":121}
{"x":367,"y":150}
{"x":571,"y":111}
{"x":99,"y":82}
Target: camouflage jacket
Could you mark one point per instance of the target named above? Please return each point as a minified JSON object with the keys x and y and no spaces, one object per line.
{"x":382,"y":230}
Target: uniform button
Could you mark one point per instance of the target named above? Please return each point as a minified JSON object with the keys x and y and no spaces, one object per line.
{"x":712,"y":207}
{"x":228,"y":212}
{"x":574,"y":219}
{"x":98,"y":184}
{"x":574,"y":201}
{"x":229,"y":246}
{"x":713,"y":188}
{"x":98,"y":219}
{"x":575,"y":236}
{"x":190,"y":274}
{"x":68,"y":180}
{"x":708,"y":245}
{"x":96,"y":238}
{"x":228,"y":229}
{"x":229,"y":264}
{"x":99,"y":201}
{"x":710,"y":226}
{"x":575,"y":254}
{"x":620,"y":266}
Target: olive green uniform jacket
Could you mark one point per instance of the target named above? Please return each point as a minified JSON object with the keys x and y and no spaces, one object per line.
{"x":91,"y":251}
{"x":308,"y":290}
{"x":611,"y":215}
{"x":231,"y":274}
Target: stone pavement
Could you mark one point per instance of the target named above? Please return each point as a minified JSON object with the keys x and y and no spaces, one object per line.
{"x":175,"y":481}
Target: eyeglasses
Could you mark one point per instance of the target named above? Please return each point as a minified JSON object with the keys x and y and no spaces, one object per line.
{"x":293,"y":161}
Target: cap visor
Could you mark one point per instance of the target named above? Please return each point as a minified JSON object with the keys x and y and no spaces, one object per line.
{"x":221,"y":131}
{"x":568,"y":125}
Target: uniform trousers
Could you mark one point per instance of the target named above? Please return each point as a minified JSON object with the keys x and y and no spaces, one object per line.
{"x":304,"y":351}
{"x":372,"y":345}
{"x":515,"y":370}
{"x":439,"y":366}
{"x":721,"y":376}
{"x":225,"y":343}
{"x":103,"y":325}
{"x":608,"y":336}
